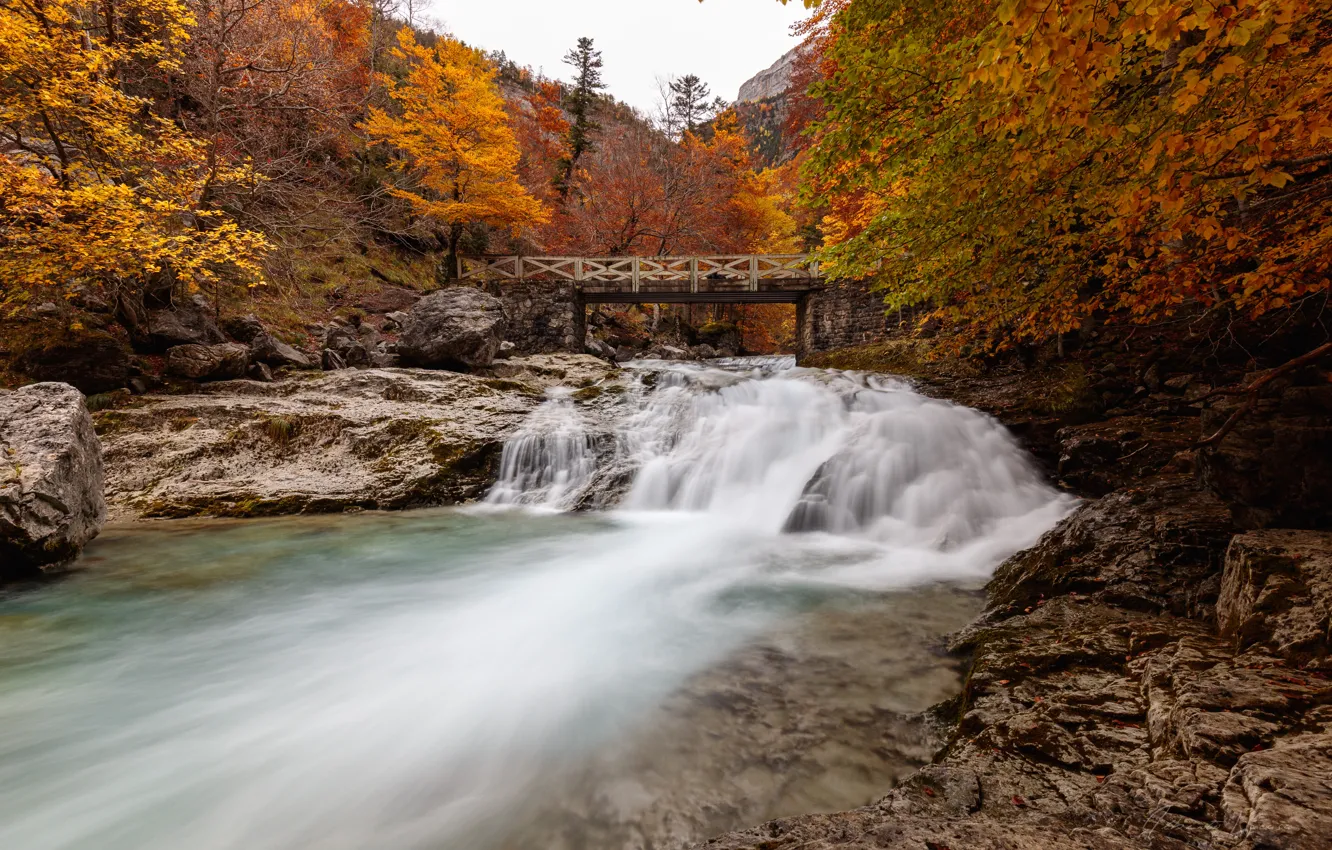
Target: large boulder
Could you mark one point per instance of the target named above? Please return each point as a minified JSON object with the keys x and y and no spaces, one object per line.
{"x":92,"y":362}
{"x":51,"y":500}
{"x":209,"y":362}
{"x":266,"y":348}
{"x":187,"y":322}
{"x":458,"y":328}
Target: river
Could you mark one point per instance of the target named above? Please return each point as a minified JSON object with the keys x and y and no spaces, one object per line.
{"x":745,"y":633}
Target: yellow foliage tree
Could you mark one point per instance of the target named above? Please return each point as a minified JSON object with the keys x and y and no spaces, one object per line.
{"x":457,"y":146}
{"x":95,"y":188}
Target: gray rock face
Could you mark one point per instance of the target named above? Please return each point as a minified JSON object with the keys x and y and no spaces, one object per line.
{"x":224,"y":362}
{"x":458,"y":328}
{"x":51,"y":500}
{"x":772,"y":82}
{"x":92,"y":362}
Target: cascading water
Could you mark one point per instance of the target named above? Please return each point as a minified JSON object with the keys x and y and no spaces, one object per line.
{"x":765,"y":447}
{"x":550,"y":460}
{"x":428,"y":681}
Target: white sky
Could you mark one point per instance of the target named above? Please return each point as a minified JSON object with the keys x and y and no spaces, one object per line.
{"x":724,"y":42}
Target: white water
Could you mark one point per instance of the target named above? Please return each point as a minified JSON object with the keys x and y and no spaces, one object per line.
{"x":404,"y":683}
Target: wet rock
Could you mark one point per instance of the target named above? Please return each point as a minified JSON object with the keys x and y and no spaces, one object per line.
{"x":224,"y":362}
{"x":1276,"y":593}
{"x":1157,"y":546}
{"x":51,"y":476}
{"x":92,"y":362}
{"x":705,"y":352}
{"x":457,"y":328}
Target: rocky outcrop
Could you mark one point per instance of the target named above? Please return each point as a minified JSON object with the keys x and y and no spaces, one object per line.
{"x":94,"y":362}
{"x":224,"y":362}
{"x":324,"y":442}
{"x":1105,"y":708}
{"x":772,"y":82}
{"x":1276,"y":593}
{"x":51,"y":501}
{"x":458,"y":328}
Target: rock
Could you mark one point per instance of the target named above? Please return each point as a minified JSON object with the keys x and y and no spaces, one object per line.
{"x":332,"y":361}
{"x":1099,"y":457}
{"x":383,"y":360}
{"x":208,"y":362}
{"x":243,"y":328}
{"x":394,"y":320}
{"x":188,"y":322}
{"x":51,"y":499}
{"x":356,"y":356}
{"x":259,"y":372}
{"x":671,"y":352}
{"x":47,"y":309}
{"x":340,"y":338}
{"x":506,"y":350}
{"x":266,"y":348}
{"x":1282,"y":797}
{"x":1276,"y":593}
{"x":347,"y":439}
{"x":1274,"y":467}
{"x":624,"y":354}
{"x":457,"y":328}
{"x":93,"y":362}
{"x":599,"y":348}
{"x":705,"y":352}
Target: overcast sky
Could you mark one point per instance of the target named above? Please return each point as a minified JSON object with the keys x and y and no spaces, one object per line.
{"x":724,"y":42}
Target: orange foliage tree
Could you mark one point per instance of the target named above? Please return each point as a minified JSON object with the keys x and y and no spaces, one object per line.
{"x":456,"y":151}
{"x":1019,"y":165}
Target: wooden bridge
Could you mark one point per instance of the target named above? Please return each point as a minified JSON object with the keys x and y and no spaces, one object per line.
{"x":727,"y":278}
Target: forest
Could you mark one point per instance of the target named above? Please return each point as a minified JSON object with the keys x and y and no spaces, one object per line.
{"x":1008,"y":171}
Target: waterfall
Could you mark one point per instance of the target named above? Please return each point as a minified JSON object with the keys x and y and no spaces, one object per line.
{"x":769,"y":447}
{"x":550,"y":460}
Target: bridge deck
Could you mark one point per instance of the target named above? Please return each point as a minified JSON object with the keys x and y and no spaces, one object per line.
{"x":730,"y":278}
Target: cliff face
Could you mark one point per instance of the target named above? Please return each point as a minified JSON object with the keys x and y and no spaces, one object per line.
{"x":770,"y":83}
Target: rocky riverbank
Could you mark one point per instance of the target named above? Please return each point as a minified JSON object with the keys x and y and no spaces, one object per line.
{"x":325,"y":442}
{"x":1155,"y":672}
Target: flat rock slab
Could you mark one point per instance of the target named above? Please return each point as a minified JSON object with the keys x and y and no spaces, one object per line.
{"x":320,"y":442}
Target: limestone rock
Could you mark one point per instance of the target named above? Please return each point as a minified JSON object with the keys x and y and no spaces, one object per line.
{"x":92,"y":362}
{"x":208,"y":362}
{"x":51,"y":499}
{"x":331,"y":361}
{"x":1277,"y":593}
{"x":457,"y":328}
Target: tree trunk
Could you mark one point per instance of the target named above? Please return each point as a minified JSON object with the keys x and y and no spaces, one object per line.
{"x":451,"y":259}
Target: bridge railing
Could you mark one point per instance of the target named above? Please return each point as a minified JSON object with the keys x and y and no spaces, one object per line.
{"x":728,"y":270}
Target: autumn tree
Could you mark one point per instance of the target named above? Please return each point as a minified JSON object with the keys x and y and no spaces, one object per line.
{"x":1019,"y":166}
{"x":582,"y":99}
{"x":456,"y":150}
{"x":95,"y":188}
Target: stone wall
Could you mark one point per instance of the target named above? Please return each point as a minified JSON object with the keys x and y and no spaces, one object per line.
{"x":844,"y":314}
{"x":544,"y":316}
